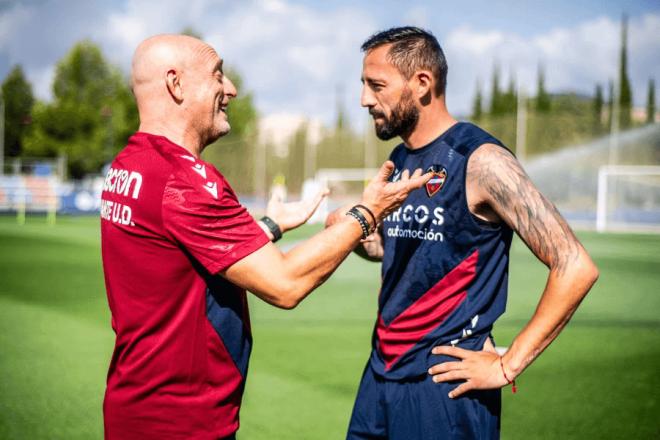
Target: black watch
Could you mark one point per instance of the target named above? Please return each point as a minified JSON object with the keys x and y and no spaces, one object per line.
{"x":272,"y":227}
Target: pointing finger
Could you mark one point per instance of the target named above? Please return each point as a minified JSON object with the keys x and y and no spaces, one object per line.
{"x":385,"y":171}
{"x":418,"y":182}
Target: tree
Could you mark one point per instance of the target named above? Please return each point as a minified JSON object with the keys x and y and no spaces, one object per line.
{"x":542,"y":97}
{"x":91,"y":116}
{"x":610,"y":105}
{"x":625,"y":93}
{"x":598,"y":108}
{"x":241,"y":112}
{"x":191,"y":32}
{"x":650,"y":103}
{"x":18,"y":101}
{"x":510,"y":97}
{"x":477,"y":110}
{"x":235,"y":154}
{"x":496,"y":94}
{"x":340,"y":123}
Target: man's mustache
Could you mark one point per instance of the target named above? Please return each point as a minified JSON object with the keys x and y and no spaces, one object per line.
{"x":376,"y":114}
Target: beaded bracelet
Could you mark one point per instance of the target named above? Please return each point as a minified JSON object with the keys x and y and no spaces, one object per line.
{"x":362,"y":220}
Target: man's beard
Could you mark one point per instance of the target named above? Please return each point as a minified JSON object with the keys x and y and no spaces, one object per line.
{"x":403,"y":120}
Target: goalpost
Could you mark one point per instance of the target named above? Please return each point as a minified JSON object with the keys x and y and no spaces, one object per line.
{"x":345,"y":184}
{"x":628,"y":198}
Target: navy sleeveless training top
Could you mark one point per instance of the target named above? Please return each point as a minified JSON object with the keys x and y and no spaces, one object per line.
{"x":444,"y":273}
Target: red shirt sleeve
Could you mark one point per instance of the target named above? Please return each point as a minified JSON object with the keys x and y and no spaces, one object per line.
{"x":207,"y":219}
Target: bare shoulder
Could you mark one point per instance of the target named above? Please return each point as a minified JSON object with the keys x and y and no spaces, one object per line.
{"x":498,"y":180}
{"x":489,"y":159}
{"x":486,"y":166}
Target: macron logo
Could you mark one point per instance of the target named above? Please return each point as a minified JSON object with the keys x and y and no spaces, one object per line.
{"x":212,"y":188}
{"x":200,"y":169}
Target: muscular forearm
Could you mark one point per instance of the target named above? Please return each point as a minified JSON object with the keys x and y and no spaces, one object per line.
{"x":563,"y":293}
{"x":313,"y":261}
{"x":291,"y":276}
{"x":285,"y":279}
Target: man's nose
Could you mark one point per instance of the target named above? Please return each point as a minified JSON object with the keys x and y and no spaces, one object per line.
{"x":230,"y":89}
{"x":367,"y":98}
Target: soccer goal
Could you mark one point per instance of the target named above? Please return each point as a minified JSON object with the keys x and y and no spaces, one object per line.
{"x":345,"y":185}
{"x":628,"y":198}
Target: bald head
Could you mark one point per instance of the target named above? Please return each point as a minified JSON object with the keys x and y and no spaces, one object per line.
{"x":179,"y":86}
{"x":156,"y":55}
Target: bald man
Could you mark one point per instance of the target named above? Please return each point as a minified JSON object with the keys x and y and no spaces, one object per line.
{"x":179,"y":252}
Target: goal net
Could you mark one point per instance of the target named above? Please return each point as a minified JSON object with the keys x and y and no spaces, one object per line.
{"x":628,"y":198}
{"x":345,"y":185}
{"x":608,"y":184}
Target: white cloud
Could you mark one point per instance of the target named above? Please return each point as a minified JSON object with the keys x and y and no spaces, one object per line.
{"x":574,"y":58}
{"x":295,"y":56}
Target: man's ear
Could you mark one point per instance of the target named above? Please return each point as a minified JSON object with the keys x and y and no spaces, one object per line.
{"x":173,"y":81}
{"x":424,"y":86}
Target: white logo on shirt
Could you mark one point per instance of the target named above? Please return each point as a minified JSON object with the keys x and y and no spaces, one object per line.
{"x":212,"y":188}
{"x":200,"y":169}
{"x":120,"y":181}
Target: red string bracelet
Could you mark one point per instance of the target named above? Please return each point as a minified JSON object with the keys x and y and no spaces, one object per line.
{"x":509,"y":382}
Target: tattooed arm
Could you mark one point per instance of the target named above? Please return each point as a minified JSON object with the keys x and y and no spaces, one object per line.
{"x":498,"y":189}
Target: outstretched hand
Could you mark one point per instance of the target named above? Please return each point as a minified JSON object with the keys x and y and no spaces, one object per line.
{"x":481,"y":370}
{"x":293,"y":214}
{"x":383,"y":197}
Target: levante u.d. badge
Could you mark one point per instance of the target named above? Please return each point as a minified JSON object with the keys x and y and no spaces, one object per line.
{"x":437,"y":181}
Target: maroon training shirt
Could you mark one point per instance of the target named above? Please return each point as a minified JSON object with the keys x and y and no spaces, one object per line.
{"x":170,"y":223}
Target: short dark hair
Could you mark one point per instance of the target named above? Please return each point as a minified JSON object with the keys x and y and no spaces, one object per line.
{"x":412,"y":49}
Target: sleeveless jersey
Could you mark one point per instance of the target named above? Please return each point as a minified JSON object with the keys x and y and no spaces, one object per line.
{"x":444,"y":272}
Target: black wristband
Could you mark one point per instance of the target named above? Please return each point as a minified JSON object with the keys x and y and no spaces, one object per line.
{"x":362,"y":220}
{"x":371,"y":214}
{"x":272,"y":227}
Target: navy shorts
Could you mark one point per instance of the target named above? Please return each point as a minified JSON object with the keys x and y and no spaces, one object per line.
{"x":421,"y":410}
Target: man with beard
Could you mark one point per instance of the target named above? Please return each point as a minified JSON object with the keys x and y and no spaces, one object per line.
{"x":179,"y":251}
{"x":433,"y":371}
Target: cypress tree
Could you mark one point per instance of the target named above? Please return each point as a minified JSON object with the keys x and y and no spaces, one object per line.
{"x":650,"y":103}
{"x":598,"y":108}
{"x":477,"y":110}
{"x":542,"y":97}
{"x":510,"y":97}
{"x":625,"y":94}
{"x":496,"y":94}
{"x":18,"y":101}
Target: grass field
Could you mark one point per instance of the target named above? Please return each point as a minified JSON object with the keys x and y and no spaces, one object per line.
{"x":600,"y":379}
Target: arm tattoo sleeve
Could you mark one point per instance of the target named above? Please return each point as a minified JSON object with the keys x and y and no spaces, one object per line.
{"x":513,"y":196}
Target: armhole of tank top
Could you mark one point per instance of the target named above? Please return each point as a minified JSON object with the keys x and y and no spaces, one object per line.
{"x":480,"y":224}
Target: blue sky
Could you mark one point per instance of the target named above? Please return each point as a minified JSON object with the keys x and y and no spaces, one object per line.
{"x":295,"y":54}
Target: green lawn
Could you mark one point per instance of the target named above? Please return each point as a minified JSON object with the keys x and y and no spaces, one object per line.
{"x":598,"y":380}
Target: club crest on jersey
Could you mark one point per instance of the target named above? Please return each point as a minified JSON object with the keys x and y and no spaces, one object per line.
{"x":437,"y":181}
